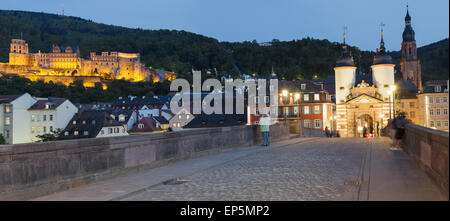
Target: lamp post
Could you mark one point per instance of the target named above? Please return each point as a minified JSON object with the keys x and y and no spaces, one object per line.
{"x":297,"y":106}
{"x":390,"y":113}
{"x":381,"y":124}
{"x":285,"y":101}
{"x":393,"y":99}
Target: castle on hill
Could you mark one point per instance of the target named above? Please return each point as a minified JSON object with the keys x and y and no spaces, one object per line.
{"x":65,"y":65}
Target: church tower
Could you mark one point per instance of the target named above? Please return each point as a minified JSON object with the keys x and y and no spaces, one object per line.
{"x":410,"y":64}
{"x":345,"y":74}
{"x":383,"y":71}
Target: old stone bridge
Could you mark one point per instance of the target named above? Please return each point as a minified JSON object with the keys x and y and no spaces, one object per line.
{"x":229,"y":164}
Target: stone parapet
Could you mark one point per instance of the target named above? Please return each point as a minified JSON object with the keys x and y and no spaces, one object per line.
{"x":36,"y":169}
{"x":429,"y":148}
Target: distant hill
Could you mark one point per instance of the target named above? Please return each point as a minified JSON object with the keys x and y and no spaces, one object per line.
{"x":180,"y":51}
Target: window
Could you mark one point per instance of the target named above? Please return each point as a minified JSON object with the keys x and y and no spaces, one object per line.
{"x":179,"y":116}
{"x":306,"y":97}
{"x":317,"y":97}
{"x":411,"y":104}
{"x":402,"y":105}
{"x":411,"y":114}
{"x":267,"y":99}
{"x":38,"y":129}
{"x":110,"y":130}
{"x":7,"y":133}
{"x":121,"y":118}
{"x":431,"y":123}
{"x":286,"y":111}
{"x":446,"y":123}
{"x":431,"y":112}
{"x":438,"y":100}
{"x":444,"y":100}
{"x":438,"y":112}
{"x":317,"y":123}
{"x":302,"y":86}
{"x":7,"y":108}
{"x":102,"y":132}
{"x":74,"y":122}
{"x":174,"y":125}
{"x":306,"y":110}
{"x":7,"y":121}
{"x":140,"y":126}
{"x":83,"y":122}
{"x":38,"y":117}
{"x":32,"y":130}
{"x":44,"y":117}
{"x":316,"y":109}
{"x":66,"y":133}
{"x":178,"y":124}
{"x":75,"y":133}
{"x":51,"y":128}
{"x":438,"y":123}
{"x":188,"y":116}
{"x":445,"y":111}
{"x":123,"y":130}
{"x":307,"y":123}
{"x":431,"y":100}
{"x":45,"y":129}
{"x":33,"y":117}
{"x":295,"y":110}
{"x":51,"y":117}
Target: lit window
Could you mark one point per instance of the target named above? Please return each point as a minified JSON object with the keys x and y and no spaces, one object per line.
{"x":83,"y":122}
{"x":33,"y":117}
{"x":86,"y":133}
{"x":7,"y":121}
{"x":179,"y":116}
{"x":307,"y":123}
{"x":306,"y":97}
{"x":140,"y":126}
{"x":188,"y":116}
{"x":411,"y":104}
{"x":178,"y":124}
{"x":75,"y":133}
{"x":302,"y":86}
{"x":121,"y":118}
{"x":174,"y":125}
{"x":32,"y":129}
{"x":74,"y":122}
{"x":8,"y":108}
{"x":316,"y":97}
{"x":66,"y":133}
{"x":306,"y":110}
{"x":431,"y":123}
{"x":316,"y":109}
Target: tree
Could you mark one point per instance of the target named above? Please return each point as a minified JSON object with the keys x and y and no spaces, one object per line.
{"x":2,"y":140}
{"x":57,"y":134}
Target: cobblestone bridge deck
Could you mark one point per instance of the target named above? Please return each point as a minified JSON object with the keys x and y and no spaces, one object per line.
{"x":295,"y":169}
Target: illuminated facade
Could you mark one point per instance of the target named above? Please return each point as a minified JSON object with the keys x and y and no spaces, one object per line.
{"x":65,"y":65}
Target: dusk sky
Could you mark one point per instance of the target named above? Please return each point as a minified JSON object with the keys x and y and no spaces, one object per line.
{"x":247,"y":20}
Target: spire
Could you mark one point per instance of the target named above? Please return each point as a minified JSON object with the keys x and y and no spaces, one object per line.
{"x":382,"y":48}
{"x":407,"y":17}
{"x":408,"y":33}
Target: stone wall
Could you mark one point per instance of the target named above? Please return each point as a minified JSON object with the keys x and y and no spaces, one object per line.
{"x":32,"y":170}
{"x":296,"y":127}
{"x":429,"y":148}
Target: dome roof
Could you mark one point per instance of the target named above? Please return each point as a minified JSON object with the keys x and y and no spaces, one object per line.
{"x":345,"y":59}
{"x":382,"y":58}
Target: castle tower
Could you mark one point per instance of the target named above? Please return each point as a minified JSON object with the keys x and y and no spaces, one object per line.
{"x":383,"y":71}
{"x":345,"y":74}
{"x":410,"y":64}
{"x":18,"y":54}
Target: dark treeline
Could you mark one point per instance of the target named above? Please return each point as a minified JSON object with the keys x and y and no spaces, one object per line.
{"x":180,"y":51}
{"x":77,"y":93}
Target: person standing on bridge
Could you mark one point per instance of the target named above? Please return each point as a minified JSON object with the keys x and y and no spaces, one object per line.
{"x":264,"y":123}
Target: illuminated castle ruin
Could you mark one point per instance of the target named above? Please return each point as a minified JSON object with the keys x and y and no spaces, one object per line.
{"x":65,"y":65}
